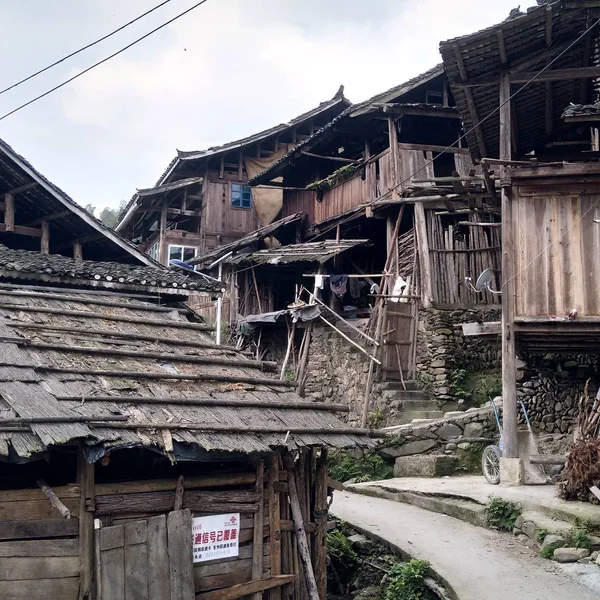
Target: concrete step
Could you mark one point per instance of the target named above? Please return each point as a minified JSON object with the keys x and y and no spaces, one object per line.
{"x":470,"y":512}
{"x":411,"y":394}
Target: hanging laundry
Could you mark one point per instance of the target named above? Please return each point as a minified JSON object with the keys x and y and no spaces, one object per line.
{"x":338,"y":284}
{"x":398,"y":290}
{"x":319,"y":282}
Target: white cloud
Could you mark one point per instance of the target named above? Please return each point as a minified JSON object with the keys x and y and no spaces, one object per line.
{"x":233,"y":67}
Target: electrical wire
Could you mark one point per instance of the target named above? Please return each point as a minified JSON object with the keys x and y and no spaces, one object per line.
{"x":479,"y":123}
{"x":100,"y":62}
{"x":105,"y":37}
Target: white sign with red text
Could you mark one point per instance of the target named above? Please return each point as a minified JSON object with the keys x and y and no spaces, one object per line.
{"x":216,"y":537}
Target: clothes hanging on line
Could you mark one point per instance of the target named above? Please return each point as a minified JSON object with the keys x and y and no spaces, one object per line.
{"x":338,"y":284}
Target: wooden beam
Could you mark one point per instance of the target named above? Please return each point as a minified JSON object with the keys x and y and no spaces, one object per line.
{"x":548,"y":26}
{"x":85,"y":478}
{"x":537,"y":77}
{"x":257,"y":539}
{"x":493,"y":328}
{"x":21,"y":230}
{"x":395,"y":156}
{"x":274,"y":519}
{"x":470,"y":102}
{"x":334,"y":158}
{"x":241,"y":165}
{"x":21,"y":188}
{"x":9,"y":212}
{"x":222,"y":167}
{"x":81,"y":240}
{"x":54,"y":499}
{"x":45,"y":242}
{"x":501,"y":47}
{"x":424,"y":256}
{"x":247,"y":589}
{"x":320,"y":518}
{"x":509,"y":371}
{"x":78,"y":250}
{"x":163,"y":259}
{"x":48,"y":218}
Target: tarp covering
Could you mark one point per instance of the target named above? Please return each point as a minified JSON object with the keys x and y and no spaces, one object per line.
{"x":303,"y":313}
{"x":267,"y":201}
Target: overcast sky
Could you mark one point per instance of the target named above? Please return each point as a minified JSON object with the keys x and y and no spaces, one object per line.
{"x":226,"y":70}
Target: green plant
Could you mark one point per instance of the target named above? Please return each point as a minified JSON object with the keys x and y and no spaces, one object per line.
{"x":289,"y":375}
{"x":376,"y":418}
{"x":580,"y":538}
{"x":541,"y":534}
{"x":457,"y":384}
{"x":343,"y":557}
{"x":547,"y":552}
{"x":344,"y":466}
{"x":334,"y":178}
{"x":406,"y":581}
{"x":502,"y":513}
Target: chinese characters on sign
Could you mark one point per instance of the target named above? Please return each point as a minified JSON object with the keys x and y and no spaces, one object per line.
{"x":215,"y":537}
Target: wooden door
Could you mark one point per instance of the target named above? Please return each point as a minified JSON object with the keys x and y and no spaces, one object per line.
{"x":150,"y":559}
{"x":399,"y":339}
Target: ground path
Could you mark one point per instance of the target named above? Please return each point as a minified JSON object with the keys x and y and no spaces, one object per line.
{"x":478,"y":563}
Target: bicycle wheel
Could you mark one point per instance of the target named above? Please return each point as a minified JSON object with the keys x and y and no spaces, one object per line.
{"x":490,"y":464}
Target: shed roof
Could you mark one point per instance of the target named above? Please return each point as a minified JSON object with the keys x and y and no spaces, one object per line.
{"x":247,"y":240}
{"x":521,"y":46}
{"x":355,"y":110}
{"x":55,"y":268}
{"x":125,"y":373}
{"x":319,"y":252}
{"x":68,"y":221}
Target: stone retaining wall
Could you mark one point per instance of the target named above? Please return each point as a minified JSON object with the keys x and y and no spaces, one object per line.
{"x":444,"y":436}
{"x":442,"y":348}
{"x":551,"y":385}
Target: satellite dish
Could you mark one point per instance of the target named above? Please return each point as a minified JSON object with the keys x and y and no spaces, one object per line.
{"x":484,"y":280}
{"x":484,"y":283}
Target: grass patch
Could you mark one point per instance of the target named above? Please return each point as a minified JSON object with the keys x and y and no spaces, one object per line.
{"x":547,"y":553}
{"x":344,"y":466}
{"x":343,"y":557}
{"x":541,"y":534}
{"x":476,"y":387}
{"x":501,"y":513}
{"x":406,"y":581}
{"x":580,"y":538}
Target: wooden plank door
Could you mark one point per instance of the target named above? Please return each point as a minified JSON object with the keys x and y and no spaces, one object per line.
{"x":150,"y":559}
{"x":398,"y":338}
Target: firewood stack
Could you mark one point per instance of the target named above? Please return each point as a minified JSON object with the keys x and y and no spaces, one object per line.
{"x":582,"y":469}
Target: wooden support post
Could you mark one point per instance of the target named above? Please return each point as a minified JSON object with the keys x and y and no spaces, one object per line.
{"x":509,"y":372}
{"x":241,"y":166}
{"x":274,"y":520}
{"x":320,"y":513}
{"x":424,"y":256}
{"x":179,"y":489}
{"x":54,"y":499}
{"x":85,"y":478}
{"x":45,"y":242}
{"x":77,"y":250}
{"x":257,"y":541}
{"x":222,"y":167}
{"x":9,"y":212}
{"x":303,"y":547}
{"x":163,"y":258}
{"x":395,"y":155}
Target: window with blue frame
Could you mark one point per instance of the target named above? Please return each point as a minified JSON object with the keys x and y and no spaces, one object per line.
{"x":241,"y":196}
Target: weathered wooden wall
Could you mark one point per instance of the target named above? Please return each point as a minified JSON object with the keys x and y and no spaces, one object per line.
{"x":557,"y":247}
{"x":220,"y":219}
{"x":39,"y":549}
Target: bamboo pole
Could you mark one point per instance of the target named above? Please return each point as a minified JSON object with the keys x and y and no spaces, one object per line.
{"x":351,"y":341}
{"x":291,"y":332}
{"x":303,"y":547}
{"x":379,"y":324}
{"x":54,"y":499}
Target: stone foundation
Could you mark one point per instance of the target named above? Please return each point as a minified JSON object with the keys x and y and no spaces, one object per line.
{"x":442,"y":348}
{"x":550,"y":387}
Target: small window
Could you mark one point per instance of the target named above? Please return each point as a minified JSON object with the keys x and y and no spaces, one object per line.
{"x":241,"y":196}
{"x":184,"y":253}
{"x":153,"y":252}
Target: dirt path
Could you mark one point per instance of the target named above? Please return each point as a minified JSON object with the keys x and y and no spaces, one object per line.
{"x":479,"y":564}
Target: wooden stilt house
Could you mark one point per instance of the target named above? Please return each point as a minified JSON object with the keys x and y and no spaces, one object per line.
{"x":138,"y":459}
{"x":527,"y":90}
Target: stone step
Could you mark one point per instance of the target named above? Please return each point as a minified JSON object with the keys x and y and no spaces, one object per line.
{"x":425,"y":404}
{"x":411,"y":394}
{"x":409,"y":415}
{"x":411,"y":385}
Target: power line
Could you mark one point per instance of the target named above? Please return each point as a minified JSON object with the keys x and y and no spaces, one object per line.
{"x":105,"y":37}
{"x":100,"y":62}
{"x":479,"y":123}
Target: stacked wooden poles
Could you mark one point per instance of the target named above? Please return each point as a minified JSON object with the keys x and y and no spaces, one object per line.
{"x":380,"y":312}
